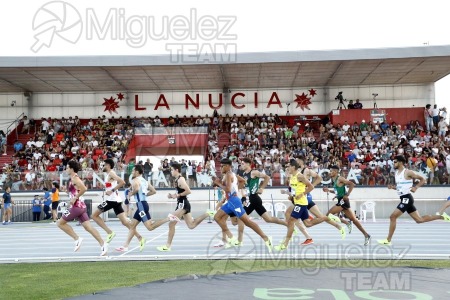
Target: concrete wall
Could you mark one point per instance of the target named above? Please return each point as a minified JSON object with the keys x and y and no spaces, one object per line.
{"x":428,"y":200}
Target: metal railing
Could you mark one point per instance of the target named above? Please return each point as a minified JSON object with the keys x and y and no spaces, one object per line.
{"x":16,"y":122}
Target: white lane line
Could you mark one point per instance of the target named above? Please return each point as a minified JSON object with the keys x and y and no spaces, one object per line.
{"x":148,"y":241}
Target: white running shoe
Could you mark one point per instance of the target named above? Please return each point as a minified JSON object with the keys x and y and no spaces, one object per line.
{"x":78,"y":244}
{"x":104,"y":249}
{"x":220,"y":244}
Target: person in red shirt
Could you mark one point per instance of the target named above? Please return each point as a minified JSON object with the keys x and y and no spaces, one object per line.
{"x":51,"y":168}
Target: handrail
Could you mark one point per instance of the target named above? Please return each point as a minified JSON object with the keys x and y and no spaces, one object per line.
{"x":16,"y":121}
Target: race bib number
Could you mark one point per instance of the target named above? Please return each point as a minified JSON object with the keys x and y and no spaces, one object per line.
{"x":405,"y":200}
{"x":66,"y":213}
{"x":180,"y":205}
{"x":102,"y":205}
{"x":341,"y":202}
{"x":297,"y":209}
{"x":142,"y":214}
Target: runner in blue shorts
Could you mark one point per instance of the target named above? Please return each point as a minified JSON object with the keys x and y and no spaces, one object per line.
{"x":229,"y":184}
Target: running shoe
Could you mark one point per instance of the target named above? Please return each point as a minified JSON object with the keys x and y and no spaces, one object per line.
{"x":9,"y":222}
{"x":269,"y":244}
{"x":334,"y":218}
{"x":122,"y":249}
{"x":281,"y":247}
{"x":110,"y":237}
{"x":367,"y":240}
{"x":446,"y":217}
{"x":384,"y":242}
{"x":220,"y":244}
{"x":104,"y":249}
{"x":173,"y":218}
{"x":78,"y":244}
{"x":4,"y":223}
{"x":142,"y":244}
{"x":307,"y":242}
{"x":342,"y":230}
{"x":350,"y":227}
{"x":163,"y":248}
{"x":211,"y":213}
{"x":238,"y":244}
{"x":230,"y":242}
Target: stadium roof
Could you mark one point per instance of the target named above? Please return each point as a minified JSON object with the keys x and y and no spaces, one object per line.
{"x":332,"y":68}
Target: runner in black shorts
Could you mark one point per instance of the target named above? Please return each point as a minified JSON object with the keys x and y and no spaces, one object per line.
{"x":253,"y":190}
{"x":183,"y":208}
{"x":343,"y":204}
{"x":112,"y":200}
{"x":404,"y":179}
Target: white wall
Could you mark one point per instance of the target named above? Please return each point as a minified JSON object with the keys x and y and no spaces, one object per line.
{"x":89,"y":105}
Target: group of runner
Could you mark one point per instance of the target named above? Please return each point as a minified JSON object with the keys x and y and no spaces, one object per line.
{"x":242,"y":196}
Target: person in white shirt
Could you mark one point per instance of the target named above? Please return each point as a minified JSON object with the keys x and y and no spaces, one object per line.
{"x":443,"y":127}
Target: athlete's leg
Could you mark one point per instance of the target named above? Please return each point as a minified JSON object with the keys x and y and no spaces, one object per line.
{"x":62,"y":224}
{"x":351,"y":215}
{"x":317,"y":213}
{"x":444,"y":206}
{"x":249,"y":223}
{"x":422,"y":219}
{"x":393,"y":223}
{"x":221,"y":219}
{"x":96,"y":217}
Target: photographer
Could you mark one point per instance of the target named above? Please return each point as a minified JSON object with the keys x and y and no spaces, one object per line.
{"x":341,"y":100}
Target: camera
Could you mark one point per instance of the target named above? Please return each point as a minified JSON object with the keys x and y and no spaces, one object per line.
{"x":374,"y":94}
{"x":13,"y":103}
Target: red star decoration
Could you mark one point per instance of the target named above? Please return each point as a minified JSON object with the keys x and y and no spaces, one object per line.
{"x":303,"y":101}
{"x":312,"y":92}
{"x":111,"y":105}
{"x":120,"y":96}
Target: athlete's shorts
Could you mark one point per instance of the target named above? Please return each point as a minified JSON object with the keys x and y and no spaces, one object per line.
{"x":107,"y":205}
{"x":244,"y":202}
{"x":55,"y":205}
{"x":76,"y":213}
{"x":7,"y":205}
{"x":345,"y":204}
{"x":183,"y":203}
{"x":406,"y":204}
{"x":234,"y":205}
{"x":310,"y":201}
{"x":114,"y":197}
{"x":127,"y":201}
{"x":142,"y":212}
{"x":300,"y":212}
{"x":254,"y":203}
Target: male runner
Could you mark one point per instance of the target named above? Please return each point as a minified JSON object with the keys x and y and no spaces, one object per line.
{"x":112,"y":200}
{"x":404,"y":179}
{"x":140,"y":189}
{"x":77,"y":210}
{"x":229,"y":184}
{"x":183,"y":206}
{"x":343,"y":204}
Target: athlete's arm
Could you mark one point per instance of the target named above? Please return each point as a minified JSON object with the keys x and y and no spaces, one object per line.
{"x":348,"y":183}
{"x":120,"y":182}
{"x":135,"y":187}
{"x":80,"y":187}
{"x":266,"y":177}
{"x":309,"y":186}
{"x":182,"y":184}
{"x":413,"y":175}
{"x":317,"y":178}
{"x":151,"y":190}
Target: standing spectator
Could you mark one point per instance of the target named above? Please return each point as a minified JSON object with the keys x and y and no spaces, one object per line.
{"x":428,"y":116}
{"x":443,"y":113}
{"x":55,"y":200}
{"x":47,"y":204}
{"x":148,"y":167}
{"x":443,"y":127}
{"x":357,"y":105}
{"x":37,"y":208}
{"x":435,"y":114}
{"x":26,"y":124}
{"x":7,"y":203}
{"x":3,"y":142}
